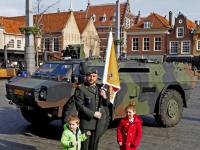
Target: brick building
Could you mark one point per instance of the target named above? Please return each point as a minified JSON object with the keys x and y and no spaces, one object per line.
{"x":180,"y":40}
{"x":104,"y":17}
{"x":148,"y":36}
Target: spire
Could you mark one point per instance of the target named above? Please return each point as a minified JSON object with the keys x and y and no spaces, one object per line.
{"x":88,"y":2}
{"x":70,"y":9}
{"x":87,"y":9}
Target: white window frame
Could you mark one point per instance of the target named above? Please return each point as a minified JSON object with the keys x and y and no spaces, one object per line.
{"x":157,"y":44}
{"x":146,"y":44}
{"x":174,"y":47}
{"x":12,"y":43}
{"x":147,"y":24}
{"x":19,"y":44}
{"x":93,"y":17}
{"x":55,"y":45}
{"x":185,"y":47}
{"x":180,"y":32}
{"x":135,"y":44}
{"x":45,"y":42}
{"x":104,"y":18}
{"x":198,"y":45}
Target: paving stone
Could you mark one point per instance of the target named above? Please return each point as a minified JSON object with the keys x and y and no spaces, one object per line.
{"x":18,"y":134}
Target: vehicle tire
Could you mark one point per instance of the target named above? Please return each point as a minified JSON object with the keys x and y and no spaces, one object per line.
{"x":68,"y":110}
{"x":171,"y":108}
{"x":103,"y":123}
{"x":34,"y":117}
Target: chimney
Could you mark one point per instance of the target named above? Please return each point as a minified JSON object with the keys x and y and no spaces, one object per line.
{"x":196,"y":22}
{"x":170,"y":18}
{"x":58,"y":10}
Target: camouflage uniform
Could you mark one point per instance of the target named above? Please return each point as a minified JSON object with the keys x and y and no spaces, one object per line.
{"x":87,"y":102}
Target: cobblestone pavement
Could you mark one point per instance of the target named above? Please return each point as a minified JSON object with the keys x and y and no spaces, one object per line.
{"x":17,"y":134}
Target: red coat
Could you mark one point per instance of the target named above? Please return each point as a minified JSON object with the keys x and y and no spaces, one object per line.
{"x":129,"y":133}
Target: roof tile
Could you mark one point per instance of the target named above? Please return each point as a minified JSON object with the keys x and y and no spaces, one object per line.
{"x":109,"y":10}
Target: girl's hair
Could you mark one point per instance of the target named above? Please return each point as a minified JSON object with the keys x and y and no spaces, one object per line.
{"x":74,"y":118}
{"x":131,"y":106}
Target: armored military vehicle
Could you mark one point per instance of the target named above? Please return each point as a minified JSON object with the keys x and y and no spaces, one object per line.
{"x":160,"y":88}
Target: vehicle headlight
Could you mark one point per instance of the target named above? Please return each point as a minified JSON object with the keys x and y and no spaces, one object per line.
{"x":42,"y":94}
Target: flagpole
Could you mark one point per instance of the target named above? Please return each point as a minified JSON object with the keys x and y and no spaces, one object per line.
{"x":110,"y":40}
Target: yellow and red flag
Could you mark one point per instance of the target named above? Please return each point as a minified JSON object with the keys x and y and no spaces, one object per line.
{"x":111,"y":75}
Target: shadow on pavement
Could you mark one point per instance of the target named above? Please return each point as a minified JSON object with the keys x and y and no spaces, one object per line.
{"x":7,"y":145}
{"x":191,"y":119}
{"x":12,"y":122}
{"x":149,"y":121}
{"x":50,"y":131}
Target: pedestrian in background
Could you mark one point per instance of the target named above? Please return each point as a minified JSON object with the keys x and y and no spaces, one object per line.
{"x":71,"y":137}
{"x":87,"y":98}
{"x":129,"y":130}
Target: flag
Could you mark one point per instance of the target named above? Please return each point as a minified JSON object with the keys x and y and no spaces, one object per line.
{"x":111,"y":75}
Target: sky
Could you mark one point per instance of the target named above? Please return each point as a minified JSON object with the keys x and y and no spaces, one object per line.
{"x":189,"y":8}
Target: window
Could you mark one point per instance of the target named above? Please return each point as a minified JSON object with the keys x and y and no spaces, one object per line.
{"x":198,"y":45}
{"x":11,"y":43}
{"x":157,"y":44}
{"x":94,"y":17}
{"x":114,"y":17}
{"x":46,"y":44}
{"x":147,"y":24}
{"x":135,"y":44}
{"x":104,"y":17}
{"x":55,"y":44}
{"x":180,"y":32}
{"x":173,"y":47}
{"x":146,"y":44}
{"x":19,"y":43}
{"x":185,"y":47}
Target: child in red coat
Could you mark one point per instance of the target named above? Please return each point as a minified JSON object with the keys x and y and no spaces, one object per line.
{"x":129,"y":130}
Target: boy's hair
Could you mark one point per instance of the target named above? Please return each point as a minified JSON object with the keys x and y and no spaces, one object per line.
{"x":131,"y":106}
{"x":74,"y":118}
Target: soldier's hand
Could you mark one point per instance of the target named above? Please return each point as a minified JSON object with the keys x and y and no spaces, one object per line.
{"x":120,"y":143}
{"x":88,"y":133}
{"x":102,"y":93}
{"x":97,"y":114}
{"x":74,"y":143}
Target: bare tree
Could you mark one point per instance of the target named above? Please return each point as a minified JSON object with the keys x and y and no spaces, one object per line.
{"x":39,"y":9}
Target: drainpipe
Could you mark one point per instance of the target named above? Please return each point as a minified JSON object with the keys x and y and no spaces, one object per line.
{"x":117,"y":28}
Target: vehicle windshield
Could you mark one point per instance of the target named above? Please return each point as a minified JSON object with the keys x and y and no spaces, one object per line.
{"x":53,"y":69}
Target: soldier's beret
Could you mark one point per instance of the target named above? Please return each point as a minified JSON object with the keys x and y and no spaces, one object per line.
{"x":91,"y":70}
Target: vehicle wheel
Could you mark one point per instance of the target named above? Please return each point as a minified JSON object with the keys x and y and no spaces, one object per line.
{"x":103,"y":123}
{"x":69,"y":109}
{"x":171,"y":108}
{"x":35,"y":117}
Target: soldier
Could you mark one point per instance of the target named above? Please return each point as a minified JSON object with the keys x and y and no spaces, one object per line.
{"x":87,"y":99}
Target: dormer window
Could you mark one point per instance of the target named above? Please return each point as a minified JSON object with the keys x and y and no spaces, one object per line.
{"x":114,"y":17}
{"x":104,"y":17}
{"x":147,"y":24}
{"x":94,"y":17}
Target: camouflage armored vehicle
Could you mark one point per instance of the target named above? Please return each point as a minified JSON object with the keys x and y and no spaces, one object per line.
{"x":158,"y":88}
